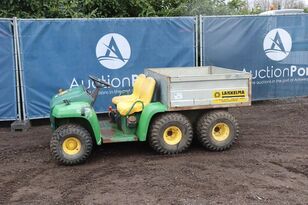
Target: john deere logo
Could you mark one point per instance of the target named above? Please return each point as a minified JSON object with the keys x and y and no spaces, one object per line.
{"x":277,"y":44}
{"x":113,"y":51}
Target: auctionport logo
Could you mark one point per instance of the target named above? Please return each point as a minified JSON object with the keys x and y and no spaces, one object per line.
{"x":277,"y":44}
{"x":113,"y":51}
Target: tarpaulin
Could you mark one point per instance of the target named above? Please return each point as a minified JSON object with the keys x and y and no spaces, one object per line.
{"x":7,"y":73}
{"x":62,"y":53}
{"x":273,"y":48}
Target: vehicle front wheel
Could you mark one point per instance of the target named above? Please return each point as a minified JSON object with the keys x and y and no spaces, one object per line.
{"x":71,"y":144}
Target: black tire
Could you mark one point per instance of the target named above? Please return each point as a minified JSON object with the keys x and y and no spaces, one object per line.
{"x":210,"y":123}
{"x":64,"y":132}
{"x":165,"y":123}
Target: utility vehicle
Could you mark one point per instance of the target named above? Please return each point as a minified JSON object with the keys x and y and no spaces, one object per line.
{"x":167,"y":108}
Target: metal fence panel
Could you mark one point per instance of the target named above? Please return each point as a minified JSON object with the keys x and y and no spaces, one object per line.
{"x":273,"y":48}
{"x":62,"y":53}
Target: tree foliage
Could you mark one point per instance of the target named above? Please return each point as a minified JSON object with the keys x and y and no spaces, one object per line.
{"x":117,"y":8}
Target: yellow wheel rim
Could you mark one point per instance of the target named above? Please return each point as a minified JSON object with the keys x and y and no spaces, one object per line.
{"x":221,"y":131}
{"x":71,"y":146}
{"x":172,"y":135}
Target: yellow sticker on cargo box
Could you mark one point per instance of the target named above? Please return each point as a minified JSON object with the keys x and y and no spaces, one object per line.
{"x":229,"y":96}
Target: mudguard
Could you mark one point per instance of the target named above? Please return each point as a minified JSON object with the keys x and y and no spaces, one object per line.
{"x":146,"y":116}
{"x":77,"y":110}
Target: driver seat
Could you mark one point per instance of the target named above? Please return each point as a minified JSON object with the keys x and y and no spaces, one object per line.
{"x":129,"y":107}
{"x":136,"y":91}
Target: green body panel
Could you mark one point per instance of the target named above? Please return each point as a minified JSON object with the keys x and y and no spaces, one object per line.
{"x":148,"y":112}
{"x":77,"y":110}
{"x":76,"y":94}
{"x":111,"y":133}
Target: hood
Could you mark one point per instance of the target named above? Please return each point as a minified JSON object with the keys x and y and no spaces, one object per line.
{"x":76,"y":94}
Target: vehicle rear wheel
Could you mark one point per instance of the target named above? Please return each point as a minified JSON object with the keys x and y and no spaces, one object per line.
{"x":170,"y":133}
{"x":217,"y":130}
{"x":71,"y":144}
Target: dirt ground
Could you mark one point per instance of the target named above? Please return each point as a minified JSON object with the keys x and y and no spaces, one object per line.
{"x":268,"y":165}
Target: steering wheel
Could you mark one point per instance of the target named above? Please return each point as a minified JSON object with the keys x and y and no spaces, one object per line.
{"x":99,"y":81}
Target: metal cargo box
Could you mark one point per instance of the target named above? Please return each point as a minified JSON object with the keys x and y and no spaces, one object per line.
{"x":201,"y":87}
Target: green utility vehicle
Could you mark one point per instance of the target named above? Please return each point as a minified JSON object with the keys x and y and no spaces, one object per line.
{"x":167,"y":108}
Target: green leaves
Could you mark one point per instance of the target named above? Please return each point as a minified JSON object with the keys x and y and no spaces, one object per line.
{"x":117,"y":8}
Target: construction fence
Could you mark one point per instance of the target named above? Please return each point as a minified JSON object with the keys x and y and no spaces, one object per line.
{"x":40,"y":56}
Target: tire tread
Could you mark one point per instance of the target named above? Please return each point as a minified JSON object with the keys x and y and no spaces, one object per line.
{"x":63,"y":131}
{"x":204,"y":124}
{"x":155,"y":130}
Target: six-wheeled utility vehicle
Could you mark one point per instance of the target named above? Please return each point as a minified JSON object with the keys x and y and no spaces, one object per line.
{"x":168,"y":106}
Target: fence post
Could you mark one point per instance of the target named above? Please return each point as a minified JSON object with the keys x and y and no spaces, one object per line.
{"x":196,"y":41}
{"x":201,"y":40}
{"x":16,"y":74}
{"x":22,"y":123}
